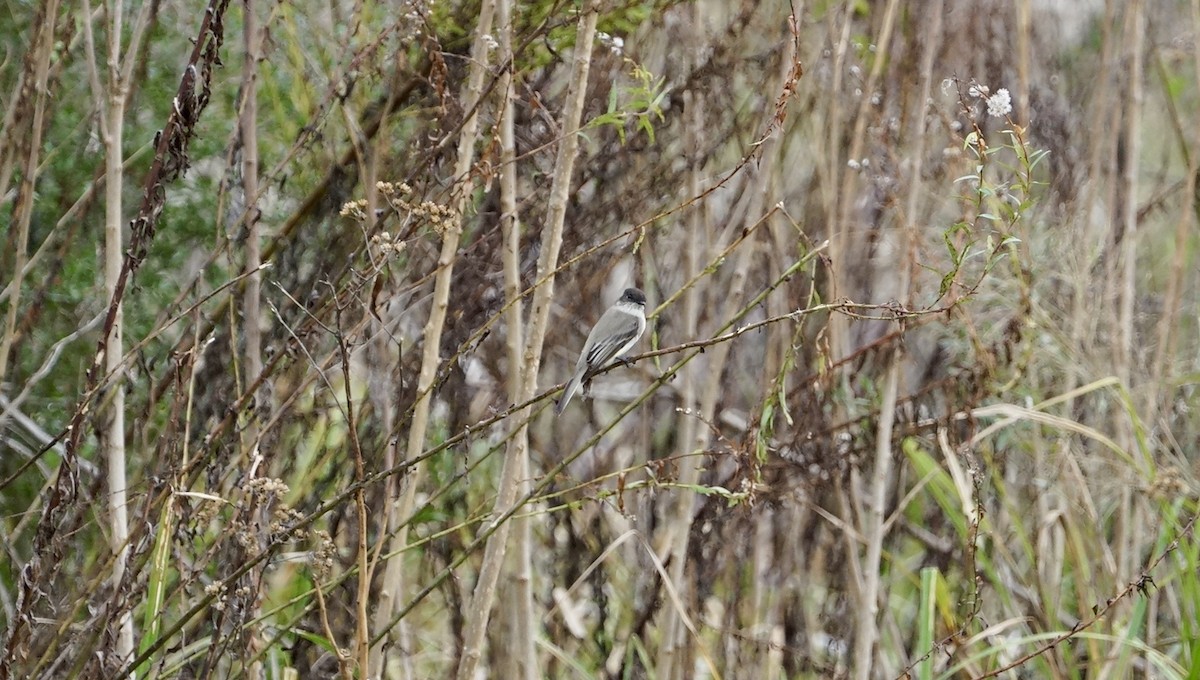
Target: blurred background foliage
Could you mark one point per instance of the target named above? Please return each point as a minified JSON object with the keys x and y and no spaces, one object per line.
{"x":943,"y":423}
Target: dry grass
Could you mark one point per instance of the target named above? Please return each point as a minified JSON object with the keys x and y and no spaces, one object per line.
{"x":917,"y":396}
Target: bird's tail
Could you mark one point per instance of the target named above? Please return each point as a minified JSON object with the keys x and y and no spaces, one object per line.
{"x":568,"y":392}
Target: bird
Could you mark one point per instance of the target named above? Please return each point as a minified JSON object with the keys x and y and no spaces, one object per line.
{"x":613,"y":335}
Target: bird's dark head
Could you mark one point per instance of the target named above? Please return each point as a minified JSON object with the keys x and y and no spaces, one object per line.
{"x":634,"y":295}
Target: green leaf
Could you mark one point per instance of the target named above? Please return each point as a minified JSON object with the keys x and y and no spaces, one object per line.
{"x":156,"y":583}
{"x":950,"y":247}
{"x":947,"y":282}
{"x":783,"y":404}
{"x":318,"y":640}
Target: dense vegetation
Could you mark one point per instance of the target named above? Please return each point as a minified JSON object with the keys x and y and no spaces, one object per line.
{"x":288,"y":289}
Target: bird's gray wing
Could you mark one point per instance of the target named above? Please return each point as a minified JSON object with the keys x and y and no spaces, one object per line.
{"x":605,"y":349}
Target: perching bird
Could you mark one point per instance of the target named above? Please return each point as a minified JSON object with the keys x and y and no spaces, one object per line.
{"x":612,"y":336}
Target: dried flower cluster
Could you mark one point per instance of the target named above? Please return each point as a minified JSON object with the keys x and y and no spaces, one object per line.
{"x":267,"y":488}
{"x":999,"y":103}
{"x":1169,"y":484}
{"x":283,"y":526}
{"x":355,"y":209}
{"x":386,"y":246}
{"x":391,"y":189}
{"x":322,"y":557}
{"x":439,"y":216}
{"x":217,"y":591}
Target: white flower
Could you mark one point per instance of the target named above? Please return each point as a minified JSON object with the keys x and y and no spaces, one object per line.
{"x":978,"y":91}
{"x":615,"y":44}
{"x":489,"y":41}
{"x":999,"y":104}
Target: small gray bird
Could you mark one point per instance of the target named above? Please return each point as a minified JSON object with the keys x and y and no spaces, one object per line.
{"x":612,"y":336}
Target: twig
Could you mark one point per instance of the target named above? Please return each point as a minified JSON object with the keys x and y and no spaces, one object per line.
{"x":1139,"y":584}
